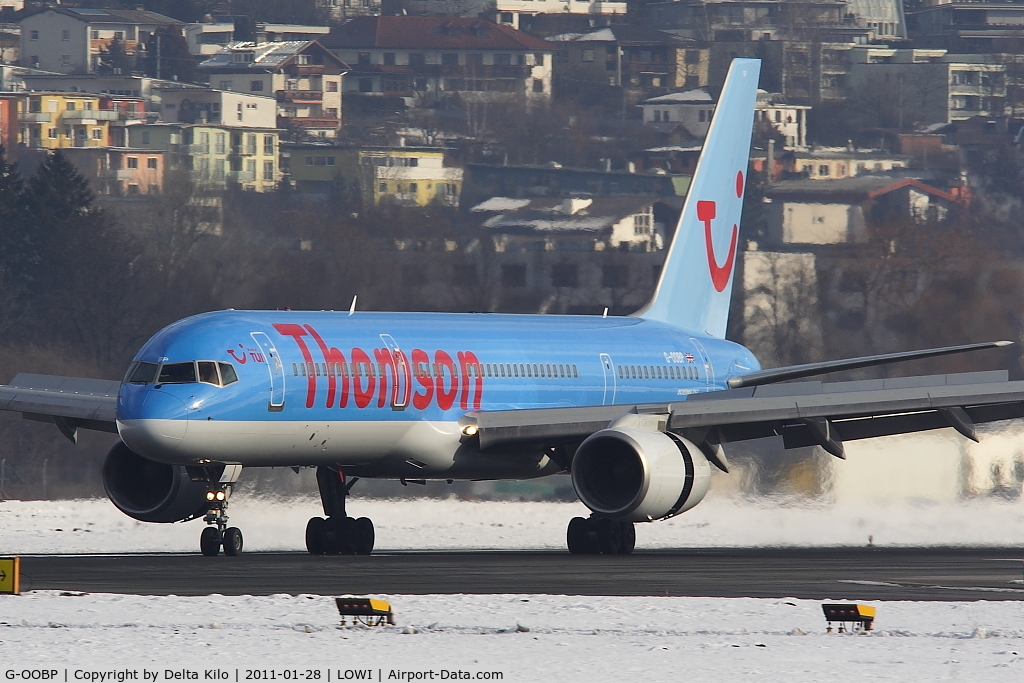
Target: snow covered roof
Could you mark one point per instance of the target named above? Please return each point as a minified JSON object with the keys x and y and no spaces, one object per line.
{"x":500,"y":204}
{"x":589,"y":215}
{"x":696,"y":96}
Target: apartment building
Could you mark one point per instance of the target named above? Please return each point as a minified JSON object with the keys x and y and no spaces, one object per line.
{"x":72,"y":39}
{"x":304,"y":77}
{"x":224,"y":107}
{"x":119,"y":171}
{"x":57,"y":120}
{"x":431,"y":57}
{"x":515,"y":13}
{"x":216,"y":155}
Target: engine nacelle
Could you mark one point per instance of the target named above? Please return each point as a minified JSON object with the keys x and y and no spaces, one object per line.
{"x":634,"y":475}
{"x":151,"y":491}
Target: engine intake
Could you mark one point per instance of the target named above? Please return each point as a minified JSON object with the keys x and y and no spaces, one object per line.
{"x":151,"y":491}
{"x":635,"y":475}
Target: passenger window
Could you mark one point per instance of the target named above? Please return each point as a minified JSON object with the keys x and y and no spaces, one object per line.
{"x":144,"y":373}
{"x":208,"y":372}
{"x":177,"y":373}
{"x":295,"y":370}
{"x":574,"y":374}
{"x":227,"y":374}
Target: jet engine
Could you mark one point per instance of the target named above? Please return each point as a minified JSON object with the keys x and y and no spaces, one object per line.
{"x":151,"y":491}
{"x":634,"y":475}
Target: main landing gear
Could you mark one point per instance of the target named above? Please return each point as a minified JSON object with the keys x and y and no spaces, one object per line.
{"x":338,"y":534}
{"x":218,"y":533}
{"x":598,"y":535}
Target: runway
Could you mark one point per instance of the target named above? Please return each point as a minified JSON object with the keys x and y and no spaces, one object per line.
{"x":811,"y":573}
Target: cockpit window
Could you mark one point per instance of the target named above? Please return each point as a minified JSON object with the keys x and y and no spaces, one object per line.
{"x":227,"y":373}
{"x":143,"y":373}
{"x":208,"y":372}
{"x":177,"y":373}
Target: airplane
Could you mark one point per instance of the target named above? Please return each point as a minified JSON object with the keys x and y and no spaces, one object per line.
{"x":637,"y":409}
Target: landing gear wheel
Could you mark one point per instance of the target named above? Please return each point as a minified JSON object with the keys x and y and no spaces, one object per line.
{"x":340,"y":538}
{"x":576,"y":536}
{"x":609,"y":536}
{"x":209,"y":541}
{"x":316,"y":531}
{"x":364,"y":536}
{"x":628,"y":538}
{"x":232,"y":541}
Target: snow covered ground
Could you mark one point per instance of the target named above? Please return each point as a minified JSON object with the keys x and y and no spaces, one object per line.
{"x":96,"y":526}
{"x":524,"y":637}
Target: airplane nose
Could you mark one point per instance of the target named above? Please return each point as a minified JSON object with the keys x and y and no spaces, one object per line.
{"x":156,"y":424}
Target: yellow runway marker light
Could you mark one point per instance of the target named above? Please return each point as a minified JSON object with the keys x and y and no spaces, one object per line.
{"x":862,"y":617}
{"x":10,"y":575}
{"x":365,"y":610}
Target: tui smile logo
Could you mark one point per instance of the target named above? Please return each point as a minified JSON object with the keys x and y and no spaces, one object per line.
{"x":706,"y":212}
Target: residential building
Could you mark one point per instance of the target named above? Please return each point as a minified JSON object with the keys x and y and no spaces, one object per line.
{"x":968,"y":26}
{"x":837,"y":211}
{"x":305,"y":78}
{"x":208,"y":38}
{"x":71,"y":39}
{"x":693,"y":108}
{"x":216,"y":155}
{"x":573,"y":224}
{"x":643,"y":62}
{"x":427,"y":58}
{"x":124,"y":85}
{"x":339,"y":10}
{"x":8,"y":121}
{"x":10,"y":44}
{"x":218,"y":106}
{"x":120,"y":171}
{"x":830,"y":163}
{"x":281,"y":33}
{"x":412,"y":176}
{"x":56,"y":120}
{"x":12,"y":5}
{"x":932,"y":86}
{"x":514,"y":13}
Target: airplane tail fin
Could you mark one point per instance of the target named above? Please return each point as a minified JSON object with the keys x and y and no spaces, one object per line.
{"x":696,"y":280}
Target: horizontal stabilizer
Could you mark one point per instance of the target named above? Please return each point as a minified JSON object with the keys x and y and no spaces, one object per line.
{"x":811,"y":369}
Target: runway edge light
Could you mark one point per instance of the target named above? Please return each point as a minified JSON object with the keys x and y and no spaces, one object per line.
{"x":861,"y":616}
{"x":10,"y":575}
{"x":375,"y":612}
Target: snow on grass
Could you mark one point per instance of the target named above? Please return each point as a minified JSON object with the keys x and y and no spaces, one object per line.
{"x":96,"y":526}
{"x":526,"y":637}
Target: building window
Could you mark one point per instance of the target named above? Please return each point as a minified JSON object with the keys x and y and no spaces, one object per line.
{"x":382,"y":188}
{"x":450,"y":59}
{"x":502,"y":59}
{"x":34,"y":35}
{"x":65,"y":34}
{"x":95,"y":35}
{"x":225,"y":85}
{"x":97,"y":133}
{"x":823,"y":170}
{"x":220,"y":145}
{"x":268,"y":145}
{"x":389,"y":59}
{"x":413,"y":188}
{"x":151,"y":163}
{"x":218,"y":169}
{"x":250,"y":144}
{"x":417,"y":59}
{"x":332,"y":86}
{"x":133,"y":162}
{"x":588,"y":55}
{"x":256,"y":86}
{"x":52,"y":133}
{"x":133,"y":189}
{"x":363,"y":58}
{"x":538,"y":59}
{"x":71,"y":106}
{"x":538,"y":85}
{"x":642,"y":224}
{"x":365,"y":85}
{"x":153,"y":188}
{"x":118,"y":35}
{"x":702,"y":116}
{"x":268,"y":170}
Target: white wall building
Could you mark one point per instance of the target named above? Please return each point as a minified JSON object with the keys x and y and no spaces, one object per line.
{"x":15,"y":5}
{"x":208,"y":39}
{"x":219,"y":106}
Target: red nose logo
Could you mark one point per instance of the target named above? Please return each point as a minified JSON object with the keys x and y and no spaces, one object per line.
{"x":719,"y":274}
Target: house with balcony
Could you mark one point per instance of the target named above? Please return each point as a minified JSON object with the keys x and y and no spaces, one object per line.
{"x":409,"y":176}
{"x":119,"y":171}
{"x":968,"y":26}
{"x":72,"y":39}
{"x":57,"y":120}
{"x":303,"y":76}
{"x":427,"y":59}
{"x":216,"y":156}
{"x":224,"y":107}
{"x":934,"y":86}
{"x":639,"y":62}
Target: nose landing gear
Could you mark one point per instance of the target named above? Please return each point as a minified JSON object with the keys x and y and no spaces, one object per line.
{"x":218,"y":534}
{"x":339,"y":534}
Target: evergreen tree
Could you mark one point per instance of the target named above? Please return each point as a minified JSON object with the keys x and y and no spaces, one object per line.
{"x":114,"y":59}
{"x":175,"y":62}
{"x":58,"y":193}
{"x":15,"y":248}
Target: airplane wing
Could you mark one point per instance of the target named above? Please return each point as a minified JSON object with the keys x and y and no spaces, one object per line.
{"x":68,"y":402}
{"x":803,"y":413}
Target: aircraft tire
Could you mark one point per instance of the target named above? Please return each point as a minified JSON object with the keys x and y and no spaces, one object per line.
{"x":340,"y":536}
{"x":609,"y":536}
{"x":232,"y":541}
{"x":576,"y":536}
{"x":209,"y":541}
{"x":628,"y":538}
{"x":364,"y":536}
{"x":316,"y":531}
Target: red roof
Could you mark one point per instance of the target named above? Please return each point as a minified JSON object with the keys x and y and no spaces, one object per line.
{"x":430,"y":33}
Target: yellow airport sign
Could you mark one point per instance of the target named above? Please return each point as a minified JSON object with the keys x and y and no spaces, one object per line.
{"x":10,"y":575}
